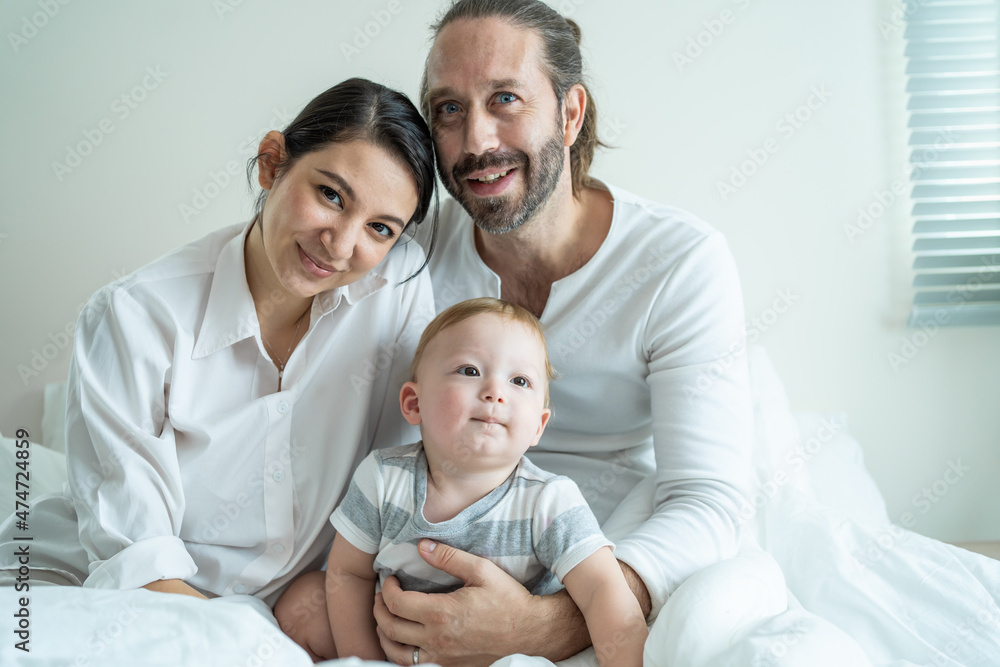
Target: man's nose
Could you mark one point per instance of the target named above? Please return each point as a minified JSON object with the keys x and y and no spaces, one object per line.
{"x":480,"y":133}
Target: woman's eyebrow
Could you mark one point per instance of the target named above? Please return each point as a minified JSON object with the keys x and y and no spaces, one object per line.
{"x":341,"y":183}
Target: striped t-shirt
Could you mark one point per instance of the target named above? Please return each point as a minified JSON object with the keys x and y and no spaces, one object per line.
{"x":536,"y":525}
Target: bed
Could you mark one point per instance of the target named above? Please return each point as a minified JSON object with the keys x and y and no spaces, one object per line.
{"x":824,"y":577}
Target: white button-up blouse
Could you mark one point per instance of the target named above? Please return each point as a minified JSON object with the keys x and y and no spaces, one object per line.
{"x":184,"y":460}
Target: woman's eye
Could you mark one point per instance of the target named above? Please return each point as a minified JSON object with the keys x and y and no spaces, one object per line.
{"x":521,"y":381}
{"x":506,"y":98}
{"x":331,"y":195}
{"x":383,"y":229}
{"x":470,"y":371}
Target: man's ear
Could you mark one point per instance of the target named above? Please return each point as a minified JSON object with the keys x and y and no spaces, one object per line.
{"x":408,"y":403}
{"x":270,"y":154}
{"x":574,"y":109}
{"x":546,"y":413}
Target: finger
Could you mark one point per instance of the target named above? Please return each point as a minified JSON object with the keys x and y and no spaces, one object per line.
{"x":401,"y":654}
{"x":397,"y":627}
{"x":459,"y":564}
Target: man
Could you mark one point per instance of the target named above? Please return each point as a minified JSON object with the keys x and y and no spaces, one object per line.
{"x":644,"y":318}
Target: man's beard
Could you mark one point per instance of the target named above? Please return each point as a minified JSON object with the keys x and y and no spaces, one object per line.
{"x":501,"y":214}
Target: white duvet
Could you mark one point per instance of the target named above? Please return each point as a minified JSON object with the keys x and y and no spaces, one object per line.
{"x":832,"y":581}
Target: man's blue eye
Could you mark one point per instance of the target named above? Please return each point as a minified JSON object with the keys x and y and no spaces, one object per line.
{"x":506,"y":98}
{"x":449,"y":108}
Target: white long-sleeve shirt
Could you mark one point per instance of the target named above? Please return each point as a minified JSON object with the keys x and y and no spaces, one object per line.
{"x":185,"y":461}
{"x":648,"y":340}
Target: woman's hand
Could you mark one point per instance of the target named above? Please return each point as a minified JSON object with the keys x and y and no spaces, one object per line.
{"x":173,"y":586}
{"x":493,"y":615}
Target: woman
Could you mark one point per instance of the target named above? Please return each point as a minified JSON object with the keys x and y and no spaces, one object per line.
{"x":220,"y":398}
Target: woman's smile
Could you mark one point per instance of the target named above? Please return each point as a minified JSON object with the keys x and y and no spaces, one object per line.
{"x":314,"y":266}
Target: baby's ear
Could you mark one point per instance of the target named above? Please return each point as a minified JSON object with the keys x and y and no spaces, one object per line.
{"x":546,"y":413}
{"x":409,"y":404}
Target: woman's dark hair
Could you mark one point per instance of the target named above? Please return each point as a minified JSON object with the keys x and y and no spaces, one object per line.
{"x":562,"y":60}
{"x":362,"y":109}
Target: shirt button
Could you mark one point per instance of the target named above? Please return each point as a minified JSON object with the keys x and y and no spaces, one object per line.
{"x":277,"y":548}
{"x":278,"y":475}
{"x":282,"y":407}
{"x":239,"y":589}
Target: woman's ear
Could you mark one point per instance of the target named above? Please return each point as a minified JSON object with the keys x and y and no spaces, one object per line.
{"x":408,"y":403}
{"x":270,"y":154}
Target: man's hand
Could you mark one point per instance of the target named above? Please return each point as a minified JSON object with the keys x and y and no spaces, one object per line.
{"x":639,"y":589}
{"x":490,"y":617}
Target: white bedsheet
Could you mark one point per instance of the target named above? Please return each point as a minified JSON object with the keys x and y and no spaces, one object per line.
{"x":832,"y":582}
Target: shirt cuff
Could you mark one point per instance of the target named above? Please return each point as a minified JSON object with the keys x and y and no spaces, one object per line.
{"x":141,"y":563}
{"x":649,"y":570}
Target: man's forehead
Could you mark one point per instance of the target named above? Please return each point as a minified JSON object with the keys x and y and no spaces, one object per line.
{"x":488,"y":52}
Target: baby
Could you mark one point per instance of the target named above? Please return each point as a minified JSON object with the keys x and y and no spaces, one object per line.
{"x":480,"y":395}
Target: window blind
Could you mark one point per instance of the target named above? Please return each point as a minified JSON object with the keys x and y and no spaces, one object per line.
{"x":953,"y":86}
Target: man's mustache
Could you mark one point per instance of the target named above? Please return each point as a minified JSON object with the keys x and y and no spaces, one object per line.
{"x":473,"y":163}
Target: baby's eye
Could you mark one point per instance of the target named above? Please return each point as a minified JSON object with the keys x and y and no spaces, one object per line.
{"x":521,"y":381}
{"x":470,"y":371}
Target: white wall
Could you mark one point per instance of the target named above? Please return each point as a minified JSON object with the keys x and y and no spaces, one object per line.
{"x":227,"y":76}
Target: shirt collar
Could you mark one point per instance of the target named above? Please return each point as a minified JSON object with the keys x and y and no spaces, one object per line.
{"x":373,"y":281}
{"x":230,"y":315}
